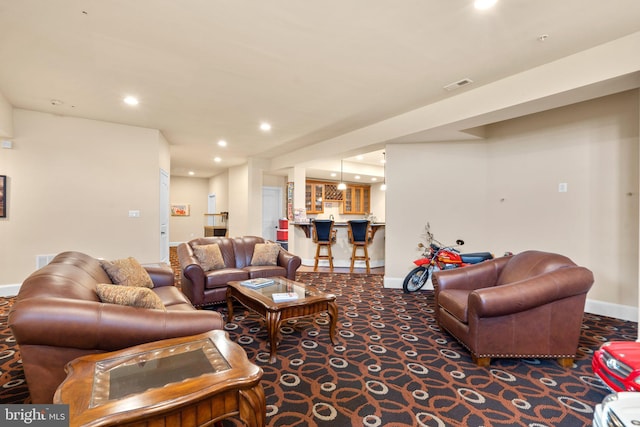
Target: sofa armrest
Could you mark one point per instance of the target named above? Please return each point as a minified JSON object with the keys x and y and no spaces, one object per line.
{"x":193,"y":278}
{"x":161,"y":276}
{"x":94,"y":325}
{"x":290,"y":262}
{"x":476,"y":276}
{"x":533,"y":292}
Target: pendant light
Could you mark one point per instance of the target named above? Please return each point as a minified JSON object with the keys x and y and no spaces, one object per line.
{"x":342,"y":185}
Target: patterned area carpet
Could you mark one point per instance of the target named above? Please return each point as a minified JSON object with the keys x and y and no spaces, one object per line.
{"x":392,"y":367}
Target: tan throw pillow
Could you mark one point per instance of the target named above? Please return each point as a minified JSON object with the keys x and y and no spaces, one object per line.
{"x":210,"y":256}
{"x":134,"y":296}
{"x":265,"y":254}
{"x":127,"y":272}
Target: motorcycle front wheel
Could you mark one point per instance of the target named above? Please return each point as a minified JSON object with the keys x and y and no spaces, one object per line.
{"x":417,"y":278}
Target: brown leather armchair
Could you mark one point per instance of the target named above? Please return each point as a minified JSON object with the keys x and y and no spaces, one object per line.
{"x":527,"y":305}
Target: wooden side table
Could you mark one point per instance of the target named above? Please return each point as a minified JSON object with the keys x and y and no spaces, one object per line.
{"x":188,"y":381}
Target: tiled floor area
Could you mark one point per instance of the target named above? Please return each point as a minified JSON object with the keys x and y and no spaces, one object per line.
{"x":377,"y":270}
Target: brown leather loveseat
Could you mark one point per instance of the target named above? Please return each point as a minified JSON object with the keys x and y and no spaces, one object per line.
{"x":58,"y":316}
{"x":527,"y":305}
{"x":205,"y":287}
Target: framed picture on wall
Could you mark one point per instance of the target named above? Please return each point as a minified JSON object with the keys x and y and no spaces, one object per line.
{"x":290,"y":201}
{"x":3,"y":196}
{"x":180,"y":210}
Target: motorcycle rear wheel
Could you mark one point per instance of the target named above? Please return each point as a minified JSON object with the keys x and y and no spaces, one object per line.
{"x":416,"y":278}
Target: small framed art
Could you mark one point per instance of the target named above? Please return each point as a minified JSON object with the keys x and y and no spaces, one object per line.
{"x":180,"y":210}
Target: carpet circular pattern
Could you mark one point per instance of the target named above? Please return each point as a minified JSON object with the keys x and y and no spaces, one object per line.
{"x":393,"y":366}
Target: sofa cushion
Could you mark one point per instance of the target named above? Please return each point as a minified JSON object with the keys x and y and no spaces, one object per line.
{"x":266,"y":271}
{"x":210,"y":256}
{"x":455,"y":301}
{"x":220,"y":278}
{"x":134,"y":296}
{"x":127,"y":272}
{"x":265,"y":254}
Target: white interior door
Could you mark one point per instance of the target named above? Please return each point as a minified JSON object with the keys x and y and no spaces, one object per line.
{"x":271,"y":211}
{"x":164,"y":216}
{"x":211,"y":208}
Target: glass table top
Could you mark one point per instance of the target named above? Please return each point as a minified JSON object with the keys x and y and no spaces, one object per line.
{"x":127,"y":375}
{"x":282,"y":286}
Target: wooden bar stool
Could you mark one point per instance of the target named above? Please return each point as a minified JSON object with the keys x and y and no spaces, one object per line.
{"x":324,"y":235}
{"x":359,"y":237}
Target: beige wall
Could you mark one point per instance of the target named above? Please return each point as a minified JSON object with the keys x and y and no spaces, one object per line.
{"x":71,"y":185}
{"x":194,"y":192}
{"x":6,"y":118}
{"x":502,"y":194}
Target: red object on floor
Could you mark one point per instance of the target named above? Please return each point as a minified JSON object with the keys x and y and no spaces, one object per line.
{"x":617,"y":364}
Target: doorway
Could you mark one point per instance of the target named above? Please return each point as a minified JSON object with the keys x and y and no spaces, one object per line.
{"x":164,"y":216}
{"x":211,"y":209}
{"x":271,"y":211}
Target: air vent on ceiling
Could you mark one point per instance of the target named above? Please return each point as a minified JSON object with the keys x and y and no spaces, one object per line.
{"x":459,"y":83}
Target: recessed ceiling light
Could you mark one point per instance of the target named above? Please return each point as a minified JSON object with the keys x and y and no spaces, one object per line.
{"x":264,"y":126}
{"x":131,"y":100}
{"x":357,"y":177}
{"x":217,"y":159}
{"x":333,"y":174}
{"x":222,"y":143}
{"x":484,"y":4}
{"x":374,"y":179}
{"x":192,"y":173}
{"x":360,"y":157}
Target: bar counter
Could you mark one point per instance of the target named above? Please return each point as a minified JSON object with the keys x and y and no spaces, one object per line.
{"x":341,"y":249}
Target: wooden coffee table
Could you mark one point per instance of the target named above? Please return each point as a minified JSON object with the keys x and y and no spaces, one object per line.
{"x":189,"y":381}
{"x":310,"y":301}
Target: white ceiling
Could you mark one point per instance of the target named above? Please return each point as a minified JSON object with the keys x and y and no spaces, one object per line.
{"x":206,"y":70}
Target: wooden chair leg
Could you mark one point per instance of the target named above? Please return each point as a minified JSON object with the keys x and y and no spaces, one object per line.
{"x":565,"y":362}
{"x":366,"y":258}
{"x":481,"y":361}
{"x":317,"y":257}
{"x":330,"y":255}
{"x":353,"y":257}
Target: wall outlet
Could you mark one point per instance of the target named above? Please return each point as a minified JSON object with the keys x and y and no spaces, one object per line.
{"x":134,"y":214}
{"x":562,"y":187}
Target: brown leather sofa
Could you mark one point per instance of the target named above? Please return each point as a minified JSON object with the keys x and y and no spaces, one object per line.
{"x":210,"y":287}
{"x":527,"y":305}
{"x":58,"y":316}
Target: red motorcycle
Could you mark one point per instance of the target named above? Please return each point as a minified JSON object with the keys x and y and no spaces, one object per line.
{"x":441,"y":257}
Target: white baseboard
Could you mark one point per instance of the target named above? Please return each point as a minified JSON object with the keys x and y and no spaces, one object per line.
{"x":396,"y":283}
{"x":9,"y":290}
{"x":619,"y":311}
